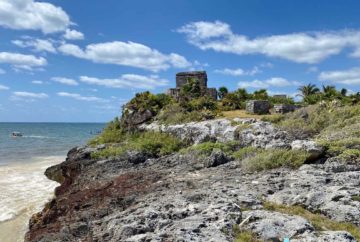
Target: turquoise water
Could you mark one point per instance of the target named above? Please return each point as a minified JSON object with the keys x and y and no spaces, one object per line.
{"x":42,"y":139}
{"x":23,"y":160}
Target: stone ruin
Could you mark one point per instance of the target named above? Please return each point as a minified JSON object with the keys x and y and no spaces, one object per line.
{"x":258,"y":107}
{"x":183,"y":77}
{"x":284,"y":108}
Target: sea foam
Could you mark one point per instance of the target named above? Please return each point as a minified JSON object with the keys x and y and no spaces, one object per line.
{"x":24,"y":190}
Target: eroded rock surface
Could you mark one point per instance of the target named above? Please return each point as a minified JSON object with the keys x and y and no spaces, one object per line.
{"x":178,"y":198}
{"x":136,"y":197}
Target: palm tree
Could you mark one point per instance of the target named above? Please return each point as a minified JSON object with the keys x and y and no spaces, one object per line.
{"x":260,"y":94}
{"x":329,"y":91}
{"x":308,"y":90}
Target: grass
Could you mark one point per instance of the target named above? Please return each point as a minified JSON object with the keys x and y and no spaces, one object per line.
{"x":243,"y":114}
{"x":244,"y":235}
{"x":320,"y":222}
{"x":153,"y":143}
{"x":258,"y":159}
{"x":356,"y":198}
{"x":205,"y":149}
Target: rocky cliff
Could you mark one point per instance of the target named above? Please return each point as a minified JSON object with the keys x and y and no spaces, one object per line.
{"x":181,"y":197}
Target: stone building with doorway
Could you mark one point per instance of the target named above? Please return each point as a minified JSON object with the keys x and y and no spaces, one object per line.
{"x":183,"y":77}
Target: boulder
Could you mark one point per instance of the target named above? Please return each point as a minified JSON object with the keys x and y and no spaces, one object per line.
{"x":274,"y":226}
{"x":310,"y":146}
{"x":216,"y":158}
{"x":135,"y":118}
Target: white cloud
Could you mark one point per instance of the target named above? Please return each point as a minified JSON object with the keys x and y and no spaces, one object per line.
{"x":313,"y":69}
{"x":2,"y":71}
{"x":33,"y":15}
{"x":22,"y":61}
{"x":127,"y":81}
{"x":38,"y":45}
{"x":79,"y":97}
{"x":127,"y":54}
{"x":65,"y":81}
{"x":239,"y":71}
{"x":2,"y":88}
{"x":274,"y":81}
{"x":298,"y":47}
{"x":348,"y":77}
{"x":36,"y":82}
{"x":30,"y":95}
{"x":71,"y":34}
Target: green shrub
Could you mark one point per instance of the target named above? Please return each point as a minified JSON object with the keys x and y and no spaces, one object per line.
{"x":246,"y":152}
{"x":112,"y":133}
{"x":153,"y":143}
{"x":206,"y":148}
{"x":274,"y":158}
{"x":176,"y":114}
{"x":274,"y":118}
{"x":350,"y":155}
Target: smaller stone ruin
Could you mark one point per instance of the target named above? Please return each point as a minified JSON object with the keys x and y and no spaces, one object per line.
{"x":284,"y":108}
{"x":258,"y":107}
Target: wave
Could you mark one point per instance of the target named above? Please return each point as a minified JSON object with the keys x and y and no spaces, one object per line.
{"x":24,"y":190}
{"x":37,"y":137}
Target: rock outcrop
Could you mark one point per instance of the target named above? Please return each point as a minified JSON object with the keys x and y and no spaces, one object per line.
{"x":136,"y":197}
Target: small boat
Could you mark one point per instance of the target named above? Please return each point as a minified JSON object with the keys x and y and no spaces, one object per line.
{"x":16,"y":134}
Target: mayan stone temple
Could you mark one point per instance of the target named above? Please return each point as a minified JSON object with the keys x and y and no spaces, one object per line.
{"x":183,"y":77}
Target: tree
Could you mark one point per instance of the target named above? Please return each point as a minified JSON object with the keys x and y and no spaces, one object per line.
{"x":343,"y":92}
{"x":222,"y":92}
{"x":242,"y":94}
{"x":329,"y":92}
{"x":261,"y":94}
{"x":307,"y":90}
{"x":191,"y":89}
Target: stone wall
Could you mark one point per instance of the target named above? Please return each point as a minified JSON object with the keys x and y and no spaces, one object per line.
{"x":258,"y":107}
{"x":183,"y":77}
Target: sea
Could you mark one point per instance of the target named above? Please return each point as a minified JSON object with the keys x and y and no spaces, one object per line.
{"x":24,"y":189}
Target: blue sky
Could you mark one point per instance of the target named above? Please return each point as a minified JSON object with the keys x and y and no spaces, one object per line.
{"x":79,"y":61}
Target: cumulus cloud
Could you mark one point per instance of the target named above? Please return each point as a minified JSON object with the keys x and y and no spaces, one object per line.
{"x":127,"y":54}
{"x":31,"y":95}
{"x":79,"y":97}
{"x":272,"y":82}
{"x":2,"y":88}
{"x":38,"y":45}
{"x":348,"y":77}
{"x":33,"y":15}
{"x":127,"y":81}
{"x":71,"y":34}
{"x":22,"y":61}
{"x":65,"y":81}
{"x":239,"y":71}
{"x":298,"y":47}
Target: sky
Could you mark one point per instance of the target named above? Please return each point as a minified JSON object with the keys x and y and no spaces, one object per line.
{"x":80,"y":61}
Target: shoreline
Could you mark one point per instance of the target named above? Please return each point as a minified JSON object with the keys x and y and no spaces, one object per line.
{"x":25,"y":191}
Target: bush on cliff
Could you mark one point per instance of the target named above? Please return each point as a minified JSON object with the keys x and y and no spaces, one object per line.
{"x":142,"y":108}
{"x":154,"y":144}
{"x":274,"y":158}
{"x":205,"y":149}
{"x":112,"y":133}
{"x":197,"y":109}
